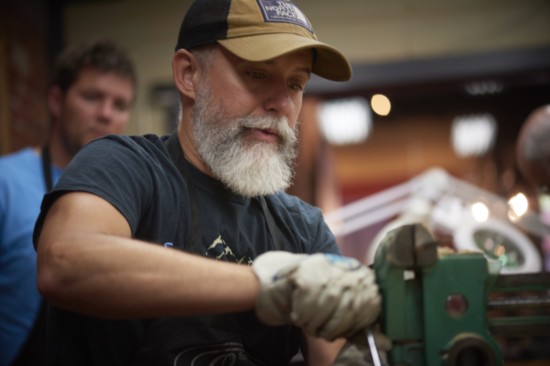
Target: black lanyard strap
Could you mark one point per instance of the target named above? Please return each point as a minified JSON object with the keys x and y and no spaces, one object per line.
{"x":47,"y":168}
{"x":276,"y":234}
{"x":174,"y":148}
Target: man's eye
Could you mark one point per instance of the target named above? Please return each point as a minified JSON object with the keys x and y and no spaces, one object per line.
{"x":121,"y":106}
{"x":296,"y":87}
{"x":297,"y":84}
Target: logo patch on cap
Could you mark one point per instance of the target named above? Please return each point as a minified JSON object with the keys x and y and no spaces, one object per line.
{"x":284,"y":11}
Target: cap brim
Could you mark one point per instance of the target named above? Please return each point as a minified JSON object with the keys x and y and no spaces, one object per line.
{"x":330,"y":63}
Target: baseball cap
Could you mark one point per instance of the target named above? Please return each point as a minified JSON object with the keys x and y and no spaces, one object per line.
{"x":259,"y":30}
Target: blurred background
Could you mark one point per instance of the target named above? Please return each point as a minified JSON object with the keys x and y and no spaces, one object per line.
{"x":436,"y":84}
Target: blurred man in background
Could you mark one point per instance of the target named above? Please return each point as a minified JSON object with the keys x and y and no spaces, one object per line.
{"x":91,"y":95}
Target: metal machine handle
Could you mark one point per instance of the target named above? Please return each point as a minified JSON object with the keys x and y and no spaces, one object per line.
{"x":373,"y":350}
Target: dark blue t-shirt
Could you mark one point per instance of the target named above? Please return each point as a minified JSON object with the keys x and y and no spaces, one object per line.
{"x":138,"y":177}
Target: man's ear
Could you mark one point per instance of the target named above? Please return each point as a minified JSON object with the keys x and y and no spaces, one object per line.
{"x":184,"y":71}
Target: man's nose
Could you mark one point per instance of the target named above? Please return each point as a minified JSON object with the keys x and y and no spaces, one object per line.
{"x":278,"y":99}
{"x":106,"y":110}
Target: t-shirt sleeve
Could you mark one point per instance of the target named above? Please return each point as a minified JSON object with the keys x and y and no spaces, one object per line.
{"x":110,"y":169}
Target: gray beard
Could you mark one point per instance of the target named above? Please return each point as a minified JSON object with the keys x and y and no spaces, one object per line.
{"x":248,"y":167}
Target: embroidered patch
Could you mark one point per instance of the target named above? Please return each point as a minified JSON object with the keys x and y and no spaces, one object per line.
{"x":284,"y":12}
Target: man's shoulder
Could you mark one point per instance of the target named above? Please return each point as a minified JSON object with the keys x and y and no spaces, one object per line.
{"x":292,"y":204}
{"x":17,"y":157}
{"x":139,"y":140}
{"x":14,"y":164}
{"x":142,"y":145}
{"x":123,"y":155}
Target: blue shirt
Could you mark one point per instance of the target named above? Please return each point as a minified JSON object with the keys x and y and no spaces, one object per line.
{"x":22,"y":187}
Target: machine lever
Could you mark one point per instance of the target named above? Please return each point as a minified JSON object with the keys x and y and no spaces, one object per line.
{"x":373,"y":350}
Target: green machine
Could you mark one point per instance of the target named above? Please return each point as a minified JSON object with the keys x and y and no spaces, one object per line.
{"x":449,"y":308}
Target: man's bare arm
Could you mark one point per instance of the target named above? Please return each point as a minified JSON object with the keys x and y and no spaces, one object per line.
{"x":87,"y":262}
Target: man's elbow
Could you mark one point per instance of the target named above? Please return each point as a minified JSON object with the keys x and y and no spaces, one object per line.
{"x":51,"y":278}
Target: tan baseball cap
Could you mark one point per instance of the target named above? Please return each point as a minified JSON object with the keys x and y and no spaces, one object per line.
{"x":259,"y":30}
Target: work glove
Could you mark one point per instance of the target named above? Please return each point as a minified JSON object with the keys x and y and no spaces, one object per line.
{"x":326,"y":295}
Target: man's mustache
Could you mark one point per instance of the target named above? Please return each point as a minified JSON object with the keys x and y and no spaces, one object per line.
{"x":279,"y":125}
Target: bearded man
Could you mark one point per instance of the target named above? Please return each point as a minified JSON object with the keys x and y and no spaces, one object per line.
{"x":184,"y":249}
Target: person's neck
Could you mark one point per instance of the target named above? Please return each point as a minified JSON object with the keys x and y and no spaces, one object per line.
{"x":59,"y":156}
{"x":187,"y":143}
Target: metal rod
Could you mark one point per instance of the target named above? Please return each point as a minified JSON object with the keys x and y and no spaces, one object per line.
{"x":373,"y":350}
{"x":530,"y":302}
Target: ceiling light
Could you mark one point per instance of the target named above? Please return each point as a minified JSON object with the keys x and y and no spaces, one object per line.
{"x":473,"y":135}
{"x":345,"y":121}
{"x":380,"y":104}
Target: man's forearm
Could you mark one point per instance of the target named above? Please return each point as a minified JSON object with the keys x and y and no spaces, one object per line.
{"x":88,"y":263}
{"x":124,"y":278}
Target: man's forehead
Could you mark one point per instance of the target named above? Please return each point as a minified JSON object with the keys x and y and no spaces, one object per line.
{"x":92,"y":73}
{"x":111,"y":81}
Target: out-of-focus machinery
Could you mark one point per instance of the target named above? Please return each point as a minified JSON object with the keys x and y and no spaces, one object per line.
{"x":447,"y":308}
{"x":452,"y":305}
{"x":533,"y":160}
{"x":465,"y":305}
{"x":473,"y":219}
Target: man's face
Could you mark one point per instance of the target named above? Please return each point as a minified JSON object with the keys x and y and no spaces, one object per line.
{"x":245,"y":120}
{"x":95,"y":105}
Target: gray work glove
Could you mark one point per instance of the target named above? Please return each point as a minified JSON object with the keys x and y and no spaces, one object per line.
{"x":326,"y":295}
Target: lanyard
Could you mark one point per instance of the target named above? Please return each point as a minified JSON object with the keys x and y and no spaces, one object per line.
{"x":194,"y":235}
{"x":176,"y":154}
{"x":46,"y":168}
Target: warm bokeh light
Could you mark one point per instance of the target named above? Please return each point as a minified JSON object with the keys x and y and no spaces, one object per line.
{"x":500,"y":250}
{"x":480,"y":212}
{"x":380,"y":104}
{"x":518,"y":206}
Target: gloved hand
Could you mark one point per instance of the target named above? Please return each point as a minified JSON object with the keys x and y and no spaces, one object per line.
{"x":327,"y":295}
